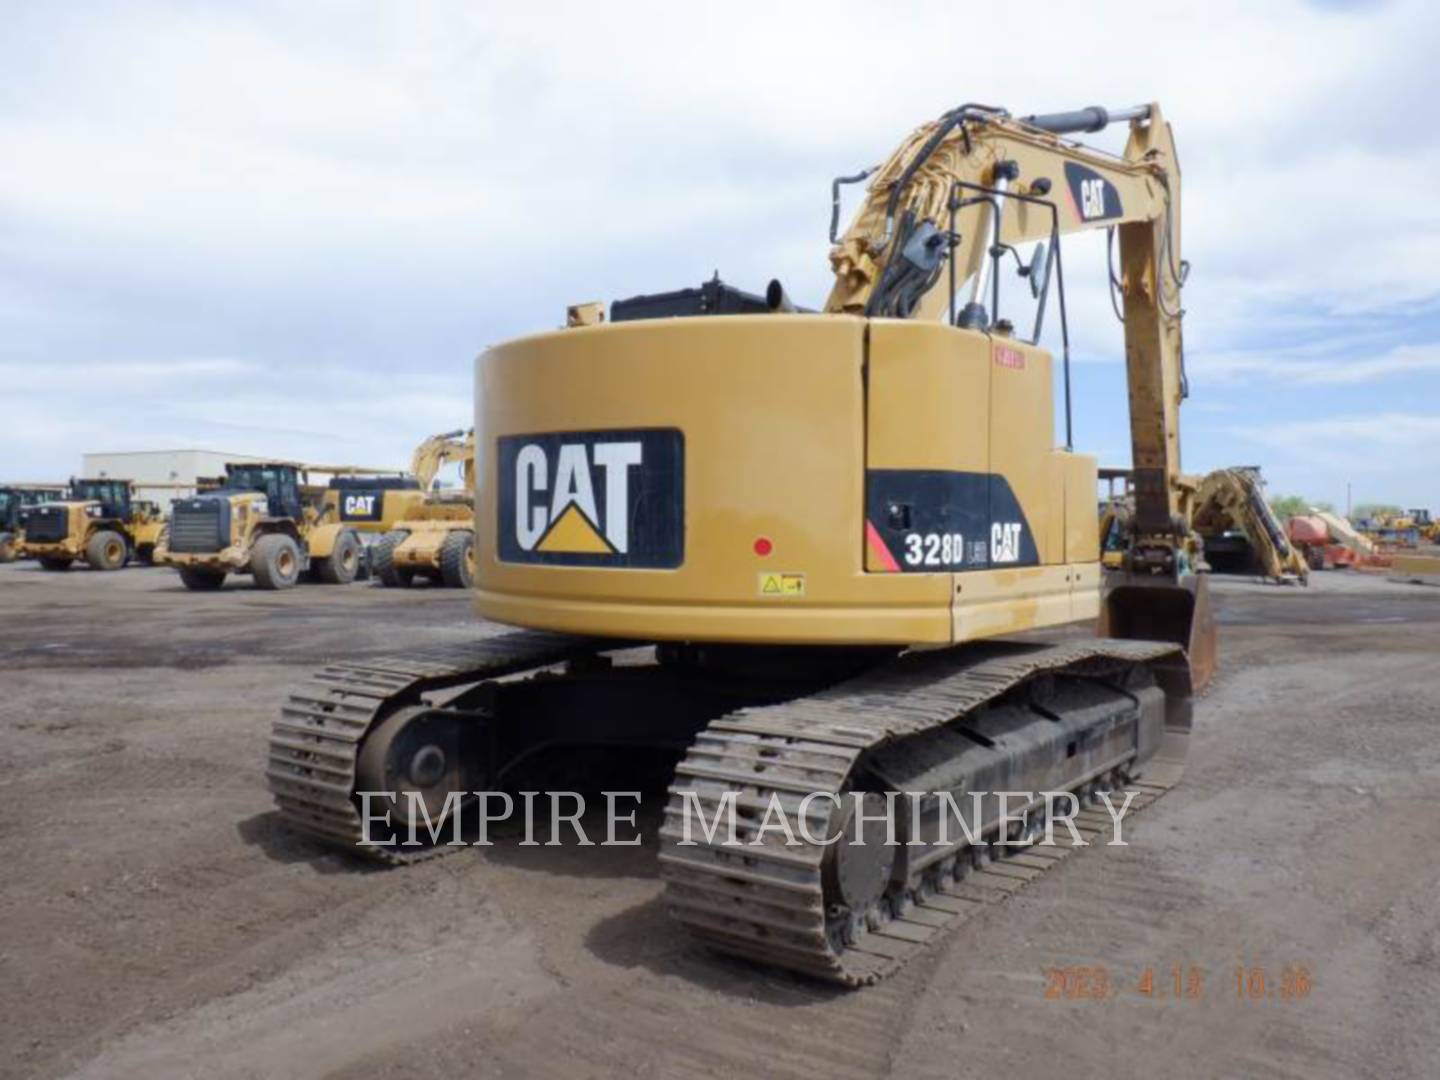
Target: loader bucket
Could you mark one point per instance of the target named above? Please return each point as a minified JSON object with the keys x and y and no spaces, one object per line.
{"x":1148,"y":608}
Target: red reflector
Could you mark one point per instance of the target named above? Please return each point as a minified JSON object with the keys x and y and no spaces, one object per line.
{"x":763,"y":546}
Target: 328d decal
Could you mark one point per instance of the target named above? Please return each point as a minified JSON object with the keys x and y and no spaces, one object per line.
{"x":936,"y":520}
{"x":592,"y":498}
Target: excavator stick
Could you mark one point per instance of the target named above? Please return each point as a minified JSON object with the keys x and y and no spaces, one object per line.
{"x":1158,"y":608}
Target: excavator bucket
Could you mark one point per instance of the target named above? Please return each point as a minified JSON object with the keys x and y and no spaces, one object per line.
{"x":1158,"y":609}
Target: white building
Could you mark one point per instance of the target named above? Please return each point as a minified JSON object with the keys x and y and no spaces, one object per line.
{"x":160,"y":475}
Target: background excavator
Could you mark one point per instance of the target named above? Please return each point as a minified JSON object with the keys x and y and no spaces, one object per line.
{"x":437,"y":539}
{"x":1240,"y":531}
{"x":797,"y":547}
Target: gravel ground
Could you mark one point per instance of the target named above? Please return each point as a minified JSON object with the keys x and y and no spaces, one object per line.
{"x":158,"y":921}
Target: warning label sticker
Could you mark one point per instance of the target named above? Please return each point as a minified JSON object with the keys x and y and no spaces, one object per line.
{"x":782,"y":586}
{"x":1008,"y":357}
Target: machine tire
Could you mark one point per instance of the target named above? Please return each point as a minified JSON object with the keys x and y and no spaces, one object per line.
{"x":7,"y":547}
{"x":382,"y":561}
{"x":342,"y":565}
{"x":457,"y":559}
{"x":107,"y":550}
{"x":275,"y":562}
{"x":55,"y":562}
{"x":202,"y":578}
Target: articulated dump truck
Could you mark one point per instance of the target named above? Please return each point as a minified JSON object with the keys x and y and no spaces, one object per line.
{"x":812,"y":552}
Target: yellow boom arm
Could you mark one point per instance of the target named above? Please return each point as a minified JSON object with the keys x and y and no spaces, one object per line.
{"x":439,"y":450}
{"x":926,"y":243}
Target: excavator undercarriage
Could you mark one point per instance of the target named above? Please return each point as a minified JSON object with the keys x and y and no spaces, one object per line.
{"x":813,"y":731}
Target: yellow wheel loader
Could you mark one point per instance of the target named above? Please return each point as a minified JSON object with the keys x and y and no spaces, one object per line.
{"x":15,"y":505}
{"x":11,"y":537}
{"x":259,"y":523}
{"x":809,"y":552}
{"x":437,"y":541}
{"x":98,"y":521}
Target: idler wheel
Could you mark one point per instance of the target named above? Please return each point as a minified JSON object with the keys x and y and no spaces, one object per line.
{"x":416,"y":756}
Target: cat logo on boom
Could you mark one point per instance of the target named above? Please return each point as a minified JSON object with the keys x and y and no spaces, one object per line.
{"x":1093,"y":197}
{"x":611,"y":498}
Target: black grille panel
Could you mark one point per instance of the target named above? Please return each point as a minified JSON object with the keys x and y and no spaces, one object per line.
{"x":47,"y":524}
{"x":196,"y":527}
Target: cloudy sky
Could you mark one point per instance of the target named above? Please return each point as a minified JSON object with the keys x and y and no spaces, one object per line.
{"x":288,"y":228}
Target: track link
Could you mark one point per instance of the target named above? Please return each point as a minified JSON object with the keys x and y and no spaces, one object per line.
{"x":315,"y":742}
{"x":767,"y":902}
{"x":761,"y":902}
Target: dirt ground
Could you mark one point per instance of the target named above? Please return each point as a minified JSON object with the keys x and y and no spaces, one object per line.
{"x":157,"y":921}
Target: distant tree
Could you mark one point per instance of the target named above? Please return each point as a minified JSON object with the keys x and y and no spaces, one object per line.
{"x":1370,"y":510}
{"x":1287,"y":506}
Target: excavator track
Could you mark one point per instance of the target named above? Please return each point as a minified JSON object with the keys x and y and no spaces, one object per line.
{"x":769,"y":903}
{"x":315,"y":742}
{"x":765,"y":902}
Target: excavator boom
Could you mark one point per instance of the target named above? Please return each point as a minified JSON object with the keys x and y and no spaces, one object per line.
{"x":976,"y":182}
{"x":930,"y":239}
{"x":437,"y":451}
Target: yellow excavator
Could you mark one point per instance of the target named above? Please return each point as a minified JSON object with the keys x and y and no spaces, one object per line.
{"x":812,"y":552}
{"x":1239,"y":529}
{"x":438,"y":539}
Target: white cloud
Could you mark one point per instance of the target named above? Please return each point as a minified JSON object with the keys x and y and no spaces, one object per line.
{"x":378,"y":192}
{"x":1393,"y":430}
{"x":1319,"y":365}
{"x":123,"y":376}
{"x":1382,"y":456}
{"x":312,"y":413}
